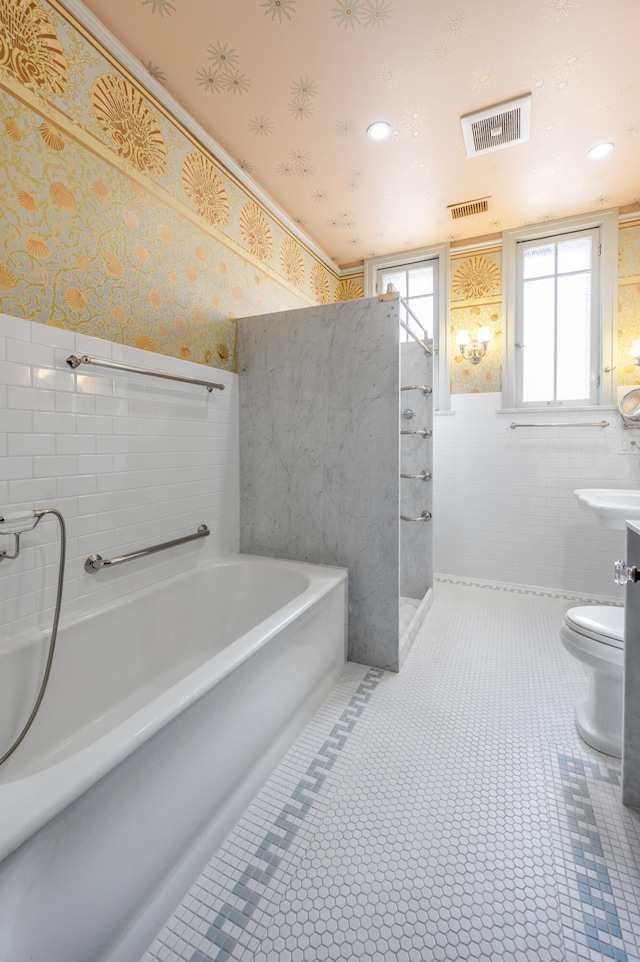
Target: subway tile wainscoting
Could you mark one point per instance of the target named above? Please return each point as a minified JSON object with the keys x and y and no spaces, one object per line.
{"x":449,"y":812}
{"x":504,"y":508}
{"x":128,"y":459}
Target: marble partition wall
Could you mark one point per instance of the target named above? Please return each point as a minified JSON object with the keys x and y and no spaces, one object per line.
{"x":319,"y":454}
{"x":416,"y":456}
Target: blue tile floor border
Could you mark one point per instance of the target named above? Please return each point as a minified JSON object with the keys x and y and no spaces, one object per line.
{"x":450,"y":812}
{"x":599,"y":912}
{"x":538,"y":592}
{"x":254,"y":880}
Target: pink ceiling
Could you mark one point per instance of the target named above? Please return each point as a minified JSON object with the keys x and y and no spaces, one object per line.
{"x":288,"y":88}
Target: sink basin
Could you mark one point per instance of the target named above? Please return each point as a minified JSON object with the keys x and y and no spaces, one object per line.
{"x":610,"y":507}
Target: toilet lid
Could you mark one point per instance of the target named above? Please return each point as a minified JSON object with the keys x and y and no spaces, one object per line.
{"x":603,"y":622}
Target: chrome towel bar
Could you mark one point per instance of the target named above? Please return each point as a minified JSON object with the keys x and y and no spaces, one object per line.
{"x":562,"y":424}
{"x":424,"y":516}
{"x":423,"y":432}
{"x":75,"y":362}
{"x":95,"y":561}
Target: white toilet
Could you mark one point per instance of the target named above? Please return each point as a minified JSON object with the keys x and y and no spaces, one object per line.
{"x":594,"y":634}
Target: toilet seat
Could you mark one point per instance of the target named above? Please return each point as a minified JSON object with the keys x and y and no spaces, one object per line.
{"x":602,"y":623}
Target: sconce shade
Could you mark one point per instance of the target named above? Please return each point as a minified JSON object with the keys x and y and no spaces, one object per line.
{"x":473,"y":349}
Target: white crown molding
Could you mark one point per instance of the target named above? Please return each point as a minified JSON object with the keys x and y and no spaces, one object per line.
{"x":137,"y":69}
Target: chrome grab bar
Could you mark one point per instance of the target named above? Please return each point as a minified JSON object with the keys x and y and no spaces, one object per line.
{"x":424,"y":516}
{"x":418,"y":387}
{"x":75,"y":362}
{"x":390,"y":295}
{"x":418,"y":340}
{"x":425,"y":476}
{"x":562,"y":424}
{"x":95,"y":561}
{"x":424,"y":432}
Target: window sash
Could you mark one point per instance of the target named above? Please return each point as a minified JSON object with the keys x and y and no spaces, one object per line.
{"x":607,"y":278}
{"x":552,"y":283}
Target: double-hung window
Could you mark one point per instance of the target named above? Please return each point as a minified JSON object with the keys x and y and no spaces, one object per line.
{"x":421,"y":279}
{"x":557,"y":319}
{"x":559,"y":315}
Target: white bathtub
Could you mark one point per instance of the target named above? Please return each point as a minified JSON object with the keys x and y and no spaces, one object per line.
{"x":163,"y":717}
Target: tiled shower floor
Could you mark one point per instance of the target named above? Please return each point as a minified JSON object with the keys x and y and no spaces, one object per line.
{"x":448,"y":812}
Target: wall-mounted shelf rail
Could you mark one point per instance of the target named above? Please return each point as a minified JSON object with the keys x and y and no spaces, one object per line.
{"x":75,"y":362}
{"x":562,"y":424}
{"x":95,"y":561}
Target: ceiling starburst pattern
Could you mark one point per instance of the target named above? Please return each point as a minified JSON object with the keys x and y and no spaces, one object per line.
{"x":288,"y":90}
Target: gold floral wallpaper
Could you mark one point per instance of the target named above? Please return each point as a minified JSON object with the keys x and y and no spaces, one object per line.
{"x":476,"y":301}
{"x":628,"y":300}
{"x":114,"y":221}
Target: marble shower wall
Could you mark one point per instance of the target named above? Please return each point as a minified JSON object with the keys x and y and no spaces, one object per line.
{"x":416,"y":456}
{"x":319,"y":454}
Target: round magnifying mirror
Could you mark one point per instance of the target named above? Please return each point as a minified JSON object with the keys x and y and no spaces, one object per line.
{"x":629,"y":405}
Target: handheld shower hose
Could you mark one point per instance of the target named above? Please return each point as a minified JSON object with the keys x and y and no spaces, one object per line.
{"x":16,"y":525}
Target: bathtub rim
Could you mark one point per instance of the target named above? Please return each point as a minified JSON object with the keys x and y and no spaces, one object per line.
{"x":21,"y":814}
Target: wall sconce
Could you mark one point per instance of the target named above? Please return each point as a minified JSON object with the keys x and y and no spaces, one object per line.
{"x":474,"y":350}
{"x":635,"y":351}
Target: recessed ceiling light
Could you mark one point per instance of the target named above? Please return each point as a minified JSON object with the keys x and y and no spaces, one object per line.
{"x":380,"y":130}
{"x":600,"y":150}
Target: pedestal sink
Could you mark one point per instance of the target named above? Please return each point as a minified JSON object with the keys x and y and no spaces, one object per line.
{"x":610,"y":507}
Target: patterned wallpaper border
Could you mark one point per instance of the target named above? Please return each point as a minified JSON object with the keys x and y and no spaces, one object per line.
{"x":344,"y":276}
{"x":116,"y":220}
{"x":48,"y":112}
{"x":72,"y":11}
{"x":39,"y":68}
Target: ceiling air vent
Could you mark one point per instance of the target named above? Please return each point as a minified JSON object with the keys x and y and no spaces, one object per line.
{"x":480,"y":206}
{"x":497,"y":127}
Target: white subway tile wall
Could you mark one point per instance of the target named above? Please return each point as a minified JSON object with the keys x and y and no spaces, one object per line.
{"x":130,"y":461}
{"x":503,"y":499}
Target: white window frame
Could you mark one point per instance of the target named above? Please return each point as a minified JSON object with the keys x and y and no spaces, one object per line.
{"x":439,"y":253}
{"x":605,"y":348}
